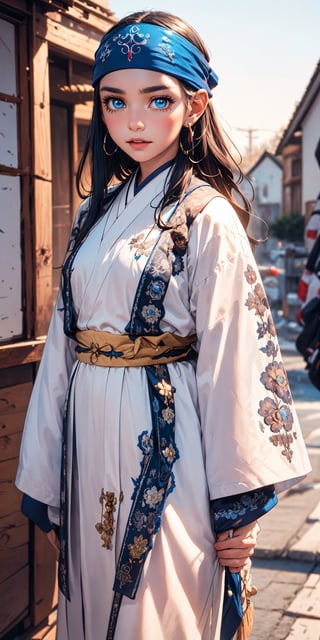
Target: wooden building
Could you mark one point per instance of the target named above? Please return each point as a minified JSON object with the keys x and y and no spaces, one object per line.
{"x":46,"y":53}
{"x":299,"y":147}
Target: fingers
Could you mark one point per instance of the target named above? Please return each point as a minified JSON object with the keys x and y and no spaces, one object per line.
{"x":235,"y":559}
{"x":235,"y":556}
{"x":54,"y":540}
{"x":234,"y":552}
{"x":232,"y":536}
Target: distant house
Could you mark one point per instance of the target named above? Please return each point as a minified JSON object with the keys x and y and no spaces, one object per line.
{"x":266,"y":177}
{"x":299,"y":147}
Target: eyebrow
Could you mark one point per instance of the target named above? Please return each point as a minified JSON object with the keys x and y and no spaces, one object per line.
{"x":156,"y":87}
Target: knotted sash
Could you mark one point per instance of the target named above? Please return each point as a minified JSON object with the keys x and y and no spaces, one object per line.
{"x":106,"y":349}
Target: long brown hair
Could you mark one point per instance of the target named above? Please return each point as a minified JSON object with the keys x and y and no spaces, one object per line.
{"x":211,"y":159}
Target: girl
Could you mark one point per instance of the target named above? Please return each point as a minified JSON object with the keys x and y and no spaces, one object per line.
{"x":161,"y":394}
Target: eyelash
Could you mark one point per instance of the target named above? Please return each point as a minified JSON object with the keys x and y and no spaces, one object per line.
{"x":168,"y":99}
{"x":107,"y":100}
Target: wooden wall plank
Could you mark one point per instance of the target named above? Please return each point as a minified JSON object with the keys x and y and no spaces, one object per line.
{"x":41,"y":107}
{"x":12,"y":376}
{"x":10,"y":447}
{"x":10,"y":498}
{"x":8,"y":470}
{"x":74,"y":33}
{"x":14,"y":398}
{"x":45,"y":577}
{"x":13,"y":403}
{"x":14,"y":531}
{"x":20,"y":353}
{"x":14,"y":598}
{"x":12,"y":423}
{"x":25,"y":165}
{"x":42,"y":188}
{"x":12,"y":560}
{"x":68,"y":34}
{"x":43,"y":257}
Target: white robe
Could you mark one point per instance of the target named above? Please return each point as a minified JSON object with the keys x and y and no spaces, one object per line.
{"x":223,"y":440}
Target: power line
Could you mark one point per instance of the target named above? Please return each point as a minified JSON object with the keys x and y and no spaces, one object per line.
{"x":250,"y":131}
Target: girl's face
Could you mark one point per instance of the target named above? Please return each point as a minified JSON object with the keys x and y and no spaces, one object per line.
{"x":144,"y":112}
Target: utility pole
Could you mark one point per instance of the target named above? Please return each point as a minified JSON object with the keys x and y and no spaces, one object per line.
{"x":250,"y":131}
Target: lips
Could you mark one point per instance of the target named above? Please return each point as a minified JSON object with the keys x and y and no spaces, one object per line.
{"x":138,"y":143}
{"x":136,"y":140}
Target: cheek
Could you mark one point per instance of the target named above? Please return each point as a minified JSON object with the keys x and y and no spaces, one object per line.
{"x":113,"y":124}
{"x":175,"y":119}
{"x":103,"y":116}
{"x":172,"y":125}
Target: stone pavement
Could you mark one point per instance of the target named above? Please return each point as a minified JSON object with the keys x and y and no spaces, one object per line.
{"x":286,"y":565}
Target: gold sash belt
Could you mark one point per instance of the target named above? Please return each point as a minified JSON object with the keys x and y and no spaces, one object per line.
{"x":112,"y":350}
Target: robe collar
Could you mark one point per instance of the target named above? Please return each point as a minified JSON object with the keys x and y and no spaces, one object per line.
{"x":138,"y":187}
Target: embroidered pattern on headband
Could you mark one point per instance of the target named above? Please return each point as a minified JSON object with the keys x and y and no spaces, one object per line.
{"x":131,"y":43}
{"x":166,"y":48}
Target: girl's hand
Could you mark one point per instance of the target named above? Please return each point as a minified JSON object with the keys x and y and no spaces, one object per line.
{"x":234,"y":552}
{"x":54,"y":540}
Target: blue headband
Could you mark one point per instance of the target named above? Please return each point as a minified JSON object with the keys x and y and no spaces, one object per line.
{"x":148,"y":46}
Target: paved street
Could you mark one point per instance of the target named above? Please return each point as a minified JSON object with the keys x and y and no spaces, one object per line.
{"x":286,"y":566}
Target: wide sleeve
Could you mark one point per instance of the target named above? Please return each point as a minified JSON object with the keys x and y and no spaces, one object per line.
{"x":38,"y":472}
{"x":251,"y":435}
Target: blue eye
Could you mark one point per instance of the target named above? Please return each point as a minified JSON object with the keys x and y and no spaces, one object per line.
{"x":116,"y":103}
{"x":162,"y":102}
{"x":113,"y":104}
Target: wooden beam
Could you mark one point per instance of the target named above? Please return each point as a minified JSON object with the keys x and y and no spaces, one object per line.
{"x":26,"y":163}
{"x":6,"y":98}
{"x":43,"y":256}
{"x":20,"y":6}
{"x":69,"y":35}
{"x":12,"y":171}
{"x":42,"y":189}
{"x":41,"y":97}
{"x":18,"y":353}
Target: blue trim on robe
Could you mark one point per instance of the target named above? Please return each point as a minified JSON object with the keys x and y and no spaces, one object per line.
{"x":138,"y":187}
{"x":231,"y":513}
{"x":37,"y":512}
{"x":238,"y":510}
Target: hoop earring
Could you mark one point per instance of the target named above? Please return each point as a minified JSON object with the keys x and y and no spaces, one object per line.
{"x":188,"y":152}
{"x":194,"y":143}
{"x":104,"y":147}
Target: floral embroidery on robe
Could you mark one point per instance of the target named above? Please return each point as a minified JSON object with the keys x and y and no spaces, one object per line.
{"x":274,"y":409}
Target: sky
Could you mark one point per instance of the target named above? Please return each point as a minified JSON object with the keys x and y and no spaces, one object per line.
{"x":264,"y":52}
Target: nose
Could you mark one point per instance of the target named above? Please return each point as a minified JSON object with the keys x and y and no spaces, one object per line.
{"x":135,"y":125}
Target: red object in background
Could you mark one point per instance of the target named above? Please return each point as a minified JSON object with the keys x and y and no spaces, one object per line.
{"x":312,"y":234}
{"x":274,"y":271}
{"x":302,"y":290}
